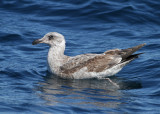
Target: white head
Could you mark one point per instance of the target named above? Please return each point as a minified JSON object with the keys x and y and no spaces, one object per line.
{"x":53,"y":39}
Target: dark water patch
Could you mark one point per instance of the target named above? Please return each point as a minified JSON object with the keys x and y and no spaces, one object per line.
{"x":127,"y":85}
{"x":18,"y":6}
{"x":154,"y":36}
{"x":29,"y":49}
{"x":153,"y":46}
{"x":30,"y":34}
{"x":6,"y":108}
{"x":77,"y":109}
{"x":10,"y":38}
{"x":26,"y":89}
{"x":152,"y":63}
{"x":119,"y":33}
{"x":13,"y":74}
{"x":59,"y":109}
{"x":155,"y":94}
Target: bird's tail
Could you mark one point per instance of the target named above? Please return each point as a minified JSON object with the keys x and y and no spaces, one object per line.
{"x":127,"y":53}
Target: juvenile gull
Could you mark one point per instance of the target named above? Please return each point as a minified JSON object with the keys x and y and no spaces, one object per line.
{"x":86,"y":65}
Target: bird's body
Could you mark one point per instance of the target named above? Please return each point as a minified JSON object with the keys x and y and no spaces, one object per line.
{"x":86,"y":65}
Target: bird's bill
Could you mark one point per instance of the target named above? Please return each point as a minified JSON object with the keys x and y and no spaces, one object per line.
{"x":37,"y":41}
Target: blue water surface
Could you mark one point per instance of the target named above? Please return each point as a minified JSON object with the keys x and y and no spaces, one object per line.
{"x":89,"y":26}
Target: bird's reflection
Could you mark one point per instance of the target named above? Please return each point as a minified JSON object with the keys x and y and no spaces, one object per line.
{"x":90,"y":92}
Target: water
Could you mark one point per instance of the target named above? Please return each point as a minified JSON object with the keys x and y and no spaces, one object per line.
{"x":88,"y":26}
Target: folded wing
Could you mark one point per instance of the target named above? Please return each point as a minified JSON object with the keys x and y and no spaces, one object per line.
{"x":99,"y":62}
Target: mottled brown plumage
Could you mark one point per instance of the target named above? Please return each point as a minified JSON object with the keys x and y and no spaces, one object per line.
{"x":101,"y":62}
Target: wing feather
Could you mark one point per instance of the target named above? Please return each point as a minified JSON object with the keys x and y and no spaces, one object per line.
{"x":98,"y":62}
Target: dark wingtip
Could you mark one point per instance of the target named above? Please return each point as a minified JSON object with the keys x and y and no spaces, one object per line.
{"x":132,"y":57}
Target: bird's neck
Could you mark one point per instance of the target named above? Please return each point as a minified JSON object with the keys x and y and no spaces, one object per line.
{"x":56,"y":52}
{"x":55,"y":58}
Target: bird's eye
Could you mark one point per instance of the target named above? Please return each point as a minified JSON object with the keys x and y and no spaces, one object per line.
{"x":50,"y":37}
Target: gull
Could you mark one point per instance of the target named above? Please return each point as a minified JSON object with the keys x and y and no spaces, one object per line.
{"x":84,"y":66}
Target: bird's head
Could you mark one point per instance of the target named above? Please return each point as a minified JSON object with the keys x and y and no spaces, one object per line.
{"x":52,"y":38}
